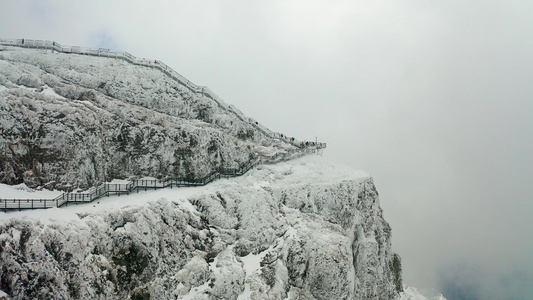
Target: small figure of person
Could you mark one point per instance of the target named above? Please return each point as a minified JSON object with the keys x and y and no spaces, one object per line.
{"x":22,"y":41}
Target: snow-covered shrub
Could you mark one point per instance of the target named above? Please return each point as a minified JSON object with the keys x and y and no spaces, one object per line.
{"x":50,"y":80}
{"x":5,"y":82}
{"x":30,"y":81}
{"x":68,"y":91}
{"x":129,"y":121}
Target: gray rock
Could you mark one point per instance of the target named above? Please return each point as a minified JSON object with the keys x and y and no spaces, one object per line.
{"x":99,"y":119}
{"x":246,"y":238}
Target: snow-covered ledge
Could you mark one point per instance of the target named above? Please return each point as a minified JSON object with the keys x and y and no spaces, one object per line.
{"x":303,"y":228}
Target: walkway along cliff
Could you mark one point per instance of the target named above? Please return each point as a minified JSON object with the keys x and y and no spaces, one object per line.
{"x":151,"y":63}
{"x":296,"y":227}
{"x":106,"y":189}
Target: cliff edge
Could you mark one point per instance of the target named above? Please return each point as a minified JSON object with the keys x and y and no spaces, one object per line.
{"x":303,"y":229}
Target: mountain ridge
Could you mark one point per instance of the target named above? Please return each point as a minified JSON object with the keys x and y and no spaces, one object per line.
{"x":316,"y":229}
{"x":297,"y":229}
{"x":140,"y":123}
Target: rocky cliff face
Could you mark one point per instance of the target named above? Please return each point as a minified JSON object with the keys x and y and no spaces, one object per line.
{"x":302,"y":229}
{"x":69,"y":121}
{"x":297,"y":230}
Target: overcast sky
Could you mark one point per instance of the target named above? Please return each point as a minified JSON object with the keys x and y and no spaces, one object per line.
{"x":433,"y":98}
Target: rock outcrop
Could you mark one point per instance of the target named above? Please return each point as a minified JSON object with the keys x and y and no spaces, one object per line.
{"x":297,"y":230}
{"x":72,"y":121}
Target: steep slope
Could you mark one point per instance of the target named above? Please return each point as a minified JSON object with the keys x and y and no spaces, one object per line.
{"x":303,"y":229}
{"x":70,"y":121}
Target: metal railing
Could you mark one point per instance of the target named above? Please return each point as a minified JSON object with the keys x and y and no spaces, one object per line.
{"x":152,"y":63}
{"x":107,"y":189}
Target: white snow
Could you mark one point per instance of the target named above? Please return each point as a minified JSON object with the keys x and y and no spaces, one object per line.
{"x":119,"y":181}
{"x":112,"y":98}
{"x":50,"y":92}
{"x":411,"y":293}
{"x":304,"y":209}
{"x":308,"y":202}
{"x":21,"y":191}
{"x":71,"y":211}
{"x":303,"y":170}
{"x":196,"y":293}
{"x":252,"y":264}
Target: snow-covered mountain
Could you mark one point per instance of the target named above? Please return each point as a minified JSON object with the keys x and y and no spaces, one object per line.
{"x":298,"y":229}
{"x":303,"y":229}
{"x":72,"y":121}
